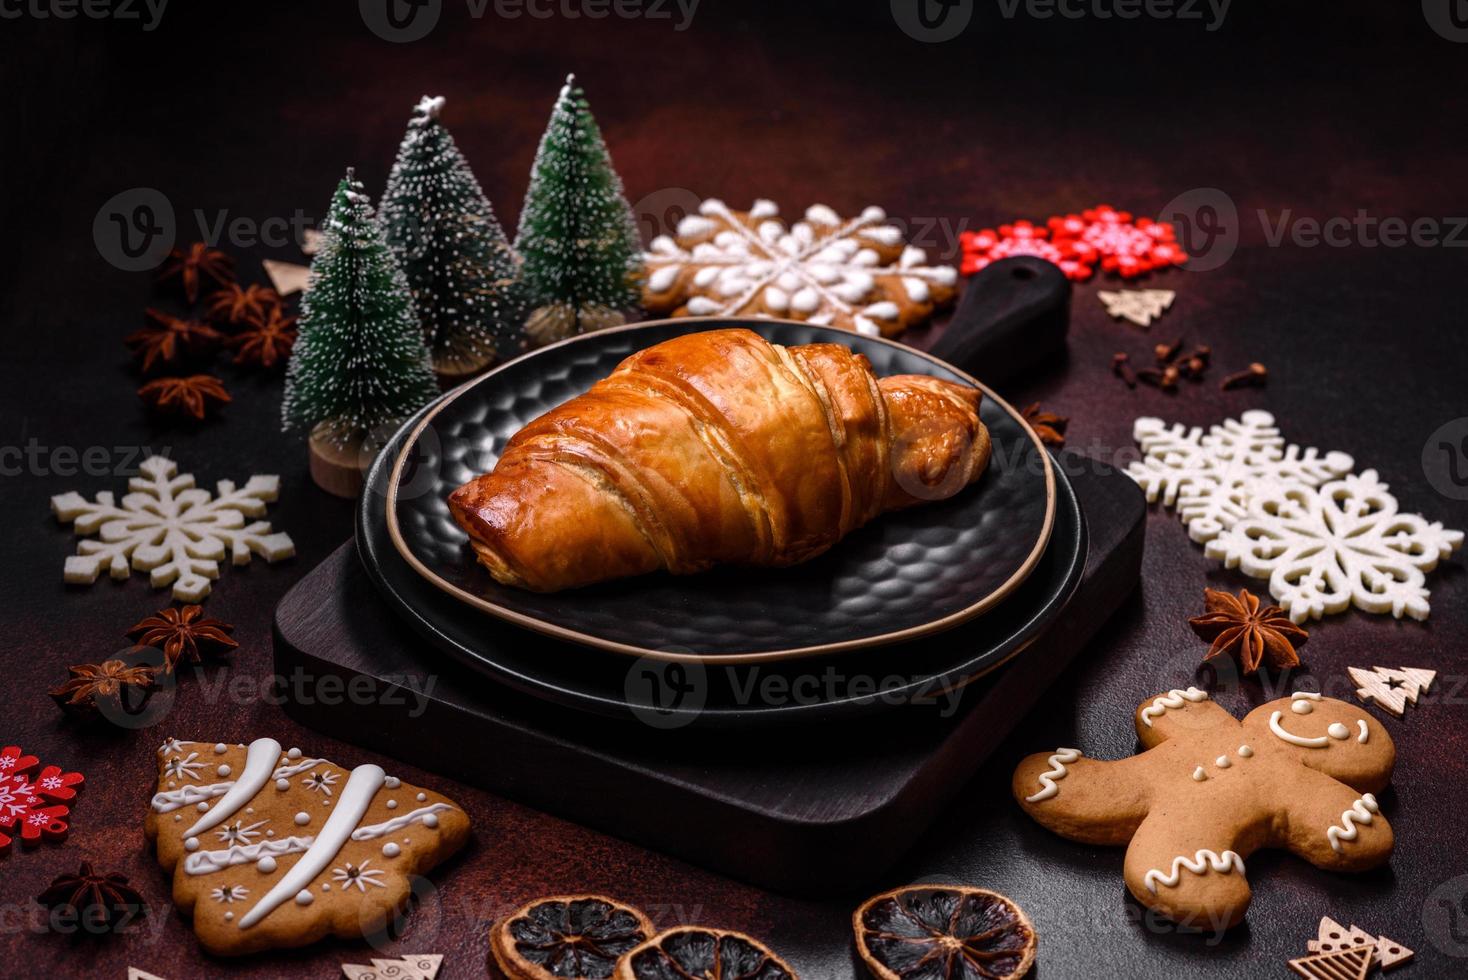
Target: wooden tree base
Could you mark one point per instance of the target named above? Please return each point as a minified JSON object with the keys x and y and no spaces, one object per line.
{"x":460,"y":367}
{"x":339,"y":463}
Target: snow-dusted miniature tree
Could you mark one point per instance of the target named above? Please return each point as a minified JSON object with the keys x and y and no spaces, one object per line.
{"x":464,"y":275}
{"x":361,"y":363}
{"x":577,"y":236}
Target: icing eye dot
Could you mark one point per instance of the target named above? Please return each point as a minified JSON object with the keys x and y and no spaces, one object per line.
{"x":229,"y":917}
{"x":223,"y":770}
{"x":220,"y":748}
{"x":282,"y":784}
{"x":177,"y":817}
{"x":1302,"y":707}
{"x":392,"y":782}
{"x":265,"y":865}
{"x":304,"y":897}
{"x":302,"y":818}
{"x":1222,"y":762}
{"x":294,"y":753}
{"x":392,"y":804}
{"x":431,"y":819}
{"x":192,"y":844}
{"x":391,"y":850}
{"x":1245,"y":751}
{"x":421,"y":797}
{"x":1338,"y":731}
{"x":202,"y":807}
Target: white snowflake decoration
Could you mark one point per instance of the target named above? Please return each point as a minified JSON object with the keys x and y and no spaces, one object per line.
{"x":359,"y":875}
{"x":320,"y":781}
{"x":239,"y":832}
{"x":171,"y":529}
{"x":183,"y":767}
{"x":1344,"y":543}
{"x":856,"y":274}
{"x":1211,"y":476}
{"x":230,"y":894}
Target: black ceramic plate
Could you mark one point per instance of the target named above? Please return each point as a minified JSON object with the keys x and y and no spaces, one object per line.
{"x":671,"y":695}
{"x":904,"y":575}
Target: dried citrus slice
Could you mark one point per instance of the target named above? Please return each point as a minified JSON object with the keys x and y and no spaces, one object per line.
{"x":944,"y":932}
{"x":566,"y":937}
{"x":696,"y":953}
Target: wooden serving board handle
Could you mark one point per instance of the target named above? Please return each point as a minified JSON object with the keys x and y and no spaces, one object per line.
{"x":1013,"y":317}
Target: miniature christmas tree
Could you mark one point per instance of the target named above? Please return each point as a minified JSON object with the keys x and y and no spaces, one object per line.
{"x":464,"y":276}
{"x":582,"y":255}
{"x":360,"y":365}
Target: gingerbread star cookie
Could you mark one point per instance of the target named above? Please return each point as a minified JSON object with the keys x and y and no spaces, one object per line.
{"x":852,"y":273}
{"x":270,"y":848}
{"x":1208,"y":791}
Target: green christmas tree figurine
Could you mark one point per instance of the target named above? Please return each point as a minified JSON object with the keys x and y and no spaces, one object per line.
{"x":464,"y":276}
{"x":583,"y":259}
{"x":360,"y":364}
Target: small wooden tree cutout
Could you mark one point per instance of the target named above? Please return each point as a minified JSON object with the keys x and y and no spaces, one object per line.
{"x":1335,"y":938}
{"x":1140,"y":306}
{"x":1392,"y":689}
{"x":415,"y":966}
{"x":1346,"y":964}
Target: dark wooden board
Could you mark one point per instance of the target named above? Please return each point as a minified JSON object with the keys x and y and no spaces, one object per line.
{"x":803,"y":803}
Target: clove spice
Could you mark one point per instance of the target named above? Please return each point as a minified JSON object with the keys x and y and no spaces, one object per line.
{"x":1254,"y":376}
{"x":1121,"y":367}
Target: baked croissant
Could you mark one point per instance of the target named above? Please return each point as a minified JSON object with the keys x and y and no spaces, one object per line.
{"x":717,"y":448}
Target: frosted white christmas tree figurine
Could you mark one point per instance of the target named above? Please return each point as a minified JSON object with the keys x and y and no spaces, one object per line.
{"x":171,"y":529}
{"x":464,"y":276}
{"x":577,"y":236}
{"x":1211,"y":475}
{"x":360,"y":366}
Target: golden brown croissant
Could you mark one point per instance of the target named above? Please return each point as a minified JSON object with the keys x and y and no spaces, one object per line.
{"x":717,"y":447}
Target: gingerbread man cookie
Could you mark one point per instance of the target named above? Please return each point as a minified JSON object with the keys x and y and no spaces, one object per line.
{"x":270,"y":848}
{"x":1297,"y":773}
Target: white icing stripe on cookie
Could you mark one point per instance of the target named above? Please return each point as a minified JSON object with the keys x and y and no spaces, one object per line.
{"x":175,"y":799}
{"x":1359,"y":813}
{"x":1058,"y":762}
{"x":1365,"y":732}
{"x":208,"y":862}
{"x":1300,"y":740}
{"x":1200,"y":863}
{"x":356,"y":796}
{"x":1172,"y":699}
{"x":295,"y":769}
{"x":259,"y":762}
{"x":398,"y":823}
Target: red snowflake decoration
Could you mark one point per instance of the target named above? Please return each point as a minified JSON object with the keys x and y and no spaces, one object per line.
{"x":24,"y":803}
{"x":1023,"y":238}
{"x":1127,"y":246}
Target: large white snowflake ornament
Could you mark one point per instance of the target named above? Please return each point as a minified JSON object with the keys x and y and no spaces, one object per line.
{"x":1323,"y":549}
{"x":856,"y":274}
{"x":171,"y":529}
{"x":1210,"y":476}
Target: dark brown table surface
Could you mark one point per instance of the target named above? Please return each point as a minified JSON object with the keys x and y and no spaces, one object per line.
{"x":255,"y":112}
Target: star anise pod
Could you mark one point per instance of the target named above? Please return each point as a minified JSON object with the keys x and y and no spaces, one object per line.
{"x":183,"y":634}
{"x":184,"y":396}
{"x":193,"y":263}
{"x":234,"y":304}
{"x":265,"y":341}
{"x":1236,"y":624}
{"x":169,"y":337}
{"x":1047,"y":425}
{"x":104,"y":682}
{"x":99,"y":901}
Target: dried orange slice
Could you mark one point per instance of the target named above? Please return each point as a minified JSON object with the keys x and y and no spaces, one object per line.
{"x":696,"y":953}
{"x":944,"y":932}
{"x":567,"y":937}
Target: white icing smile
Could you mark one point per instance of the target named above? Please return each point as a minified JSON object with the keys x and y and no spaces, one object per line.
{"x":1336,"y":731}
